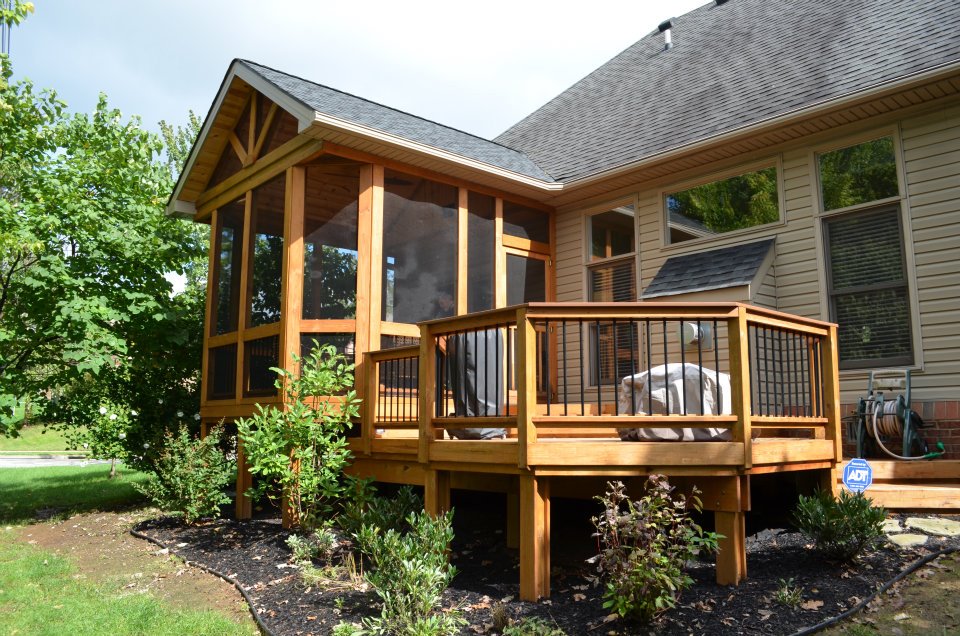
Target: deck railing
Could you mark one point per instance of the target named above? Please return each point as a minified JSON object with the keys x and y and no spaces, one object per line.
{"x":553,"y":371}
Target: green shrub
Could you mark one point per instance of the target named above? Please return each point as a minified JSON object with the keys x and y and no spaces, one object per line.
{"x":841,"y":527}
{"x":301,"y":449}
{"x":365,"y":507}
{"x":788,"y":594}
{"x":644,"y":546}
{"x":533,"y":626}
{"x":189,"y":476}
{"x":319,"y":544}
{"x":411,"y":570}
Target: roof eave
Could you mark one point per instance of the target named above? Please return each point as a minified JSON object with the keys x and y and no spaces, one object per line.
{"x":323,"y":121}
{"x":762,"y":125}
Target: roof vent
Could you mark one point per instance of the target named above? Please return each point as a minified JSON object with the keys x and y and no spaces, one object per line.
{"x":665,"y":28}
{"x":719,"y":2}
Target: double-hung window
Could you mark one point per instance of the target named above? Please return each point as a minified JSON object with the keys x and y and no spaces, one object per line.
{"x":611,"y":277}
{"x":866,"y":262}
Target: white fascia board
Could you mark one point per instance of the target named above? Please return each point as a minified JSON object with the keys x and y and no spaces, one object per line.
{"x":323,"y":120}
{"x":800,"y":113}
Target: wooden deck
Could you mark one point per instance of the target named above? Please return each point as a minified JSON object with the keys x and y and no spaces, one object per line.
{"x":784,"y":412}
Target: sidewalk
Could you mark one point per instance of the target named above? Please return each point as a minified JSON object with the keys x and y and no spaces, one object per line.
{"x":38,"y":460}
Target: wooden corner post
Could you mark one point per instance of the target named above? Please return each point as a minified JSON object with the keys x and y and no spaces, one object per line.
{"x":829,"y":368}
{"x":526,"y":356}
{"x":427,"y":388}
{"x":739,"y":344}
{"x":534,"y":537}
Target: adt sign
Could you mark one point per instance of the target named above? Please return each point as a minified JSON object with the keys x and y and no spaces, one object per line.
{"x":857,"y":475}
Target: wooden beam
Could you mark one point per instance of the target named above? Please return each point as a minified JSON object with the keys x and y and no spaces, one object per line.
{"x":291,"y":284}
{"x":436,"y":492}
{"x":238,"y":148}
{"x":262,"y":136}
{"x":208,"y":309}
{"x":252,"y":130}
{"x":534,"y":537}
{"x":738,"y":339}
{"x":500,"y":262}
{"x":732,"y":555}
{"x":376,"y":255}
{"x":526,"y":386}
{"x":463,"y":272}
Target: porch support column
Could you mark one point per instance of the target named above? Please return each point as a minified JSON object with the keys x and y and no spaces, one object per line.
{"x":436,"y":492}
{"x":244,"y":505}
{"x":534,"y":537}
{"x":729,"y":499}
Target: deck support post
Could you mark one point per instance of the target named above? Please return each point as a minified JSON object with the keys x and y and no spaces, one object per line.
{"x":732,"y":556}
{"x":534,"y":537}
{"x":729,"y":499}
{"x":513,"y":520}
{"x":436,"y":492}
{"x":244,"y":505}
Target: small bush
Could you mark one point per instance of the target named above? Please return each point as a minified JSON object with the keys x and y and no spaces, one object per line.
{"x":189,"y":476}
{"x":411,"y":570}
{"x":319,"y":545}
{"x":533,"y":626}
{"x":644,"y":546}
{"x":365,"y":507}
{"x":841,"y":527}
{"x":788,"y":594}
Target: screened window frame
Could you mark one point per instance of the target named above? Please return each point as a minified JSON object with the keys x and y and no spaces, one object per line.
{"x":775,"y":162}
{"x":589,"y":264}
{"x":906,"y":242}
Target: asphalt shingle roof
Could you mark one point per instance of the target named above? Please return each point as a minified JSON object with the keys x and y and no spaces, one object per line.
{"x":732,"y":65}
{"x":713,"y":269}
{"x":357,"y":110}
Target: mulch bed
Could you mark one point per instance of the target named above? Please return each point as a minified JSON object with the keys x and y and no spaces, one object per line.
{"x":254,"y":553}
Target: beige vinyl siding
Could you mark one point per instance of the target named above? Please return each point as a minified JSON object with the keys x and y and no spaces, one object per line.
{"x":931,"y":152}
{"x":571,"y":287}
{"x":931,"y":161}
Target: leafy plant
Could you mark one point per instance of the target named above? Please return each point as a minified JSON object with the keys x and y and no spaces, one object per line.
{"x":533,"y":626}
{"x":363,"y":506}
{"x":106,"y":436}
{"x":411,"y":570}
{"x":319,"y":544}
{"x":190,"y":476}
{"x":841,"y":527}
{"x":644,"y":545}
{"x":301,"y":449}
{"x":788,"y":594}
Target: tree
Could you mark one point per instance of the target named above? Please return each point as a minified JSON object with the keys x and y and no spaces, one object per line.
{"x":86,"y":313}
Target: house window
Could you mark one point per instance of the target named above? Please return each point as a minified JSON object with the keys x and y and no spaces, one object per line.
{"x":867,"y":286}
{"x":611,"y":277}
{"x":734,"y":203}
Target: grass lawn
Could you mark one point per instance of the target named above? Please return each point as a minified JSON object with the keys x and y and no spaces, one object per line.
{"x":35,"y":438}
{"x":41,"y":593}
{"x":65,"y":489}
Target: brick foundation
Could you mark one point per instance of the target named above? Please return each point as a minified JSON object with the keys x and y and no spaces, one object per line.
{"x":942,"y":420}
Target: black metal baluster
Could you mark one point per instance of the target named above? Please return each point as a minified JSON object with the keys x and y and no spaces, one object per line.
{"x":700,"y":364}
{"x":666,"y":364}
{"x":766,"y":368}
{"x":716,"y":364}
{"x":633,"y":364}
{"x":546,"y":362}
{"x":563,"y":332}
{"x":616,"y":370}
{"x":649,"y":367}
{"x":583,"y":358}
{"x":597,"y":359}
{"x":782,"y":361}
{"x":683,"y":370}
{"x":499,"y":363}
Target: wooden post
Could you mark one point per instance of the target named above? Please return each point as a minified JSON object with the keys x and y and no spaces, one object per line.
{"x":427,"y":387}
{"x":738,"y":340}
{"x":513,"y":519}
{"x":436,"y":492}
{"x":244,"y":505}
{"x":463,"y":273}
{"x":732,"y":556}
{"x":371,"y":391}
{"x":208,"y":310}
{"x":526,"y":385}
{"x":291,"y":294}
{"x":500,"y":260}
{"x":534,"y":537}
{"x":729,"y":499}
{"x":829,"y":367}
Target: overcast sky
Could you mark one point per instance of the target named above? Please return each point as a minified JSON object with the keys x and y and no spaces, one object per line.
{"x":477,"y":66}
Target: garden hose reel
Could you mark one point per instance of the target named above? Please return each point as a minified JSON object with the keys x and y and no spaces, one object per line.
{"x":880,"y":419}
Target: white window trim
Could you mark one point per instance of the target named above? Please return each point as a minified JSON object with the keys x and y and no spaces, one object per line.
{"x":775,"y":162}
{"x":587,"y":243}
{"x":903,"y":200}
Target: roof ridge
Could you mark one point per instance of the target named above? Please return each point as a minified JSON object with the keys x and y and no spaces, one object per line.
{"x":396,"y":110}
